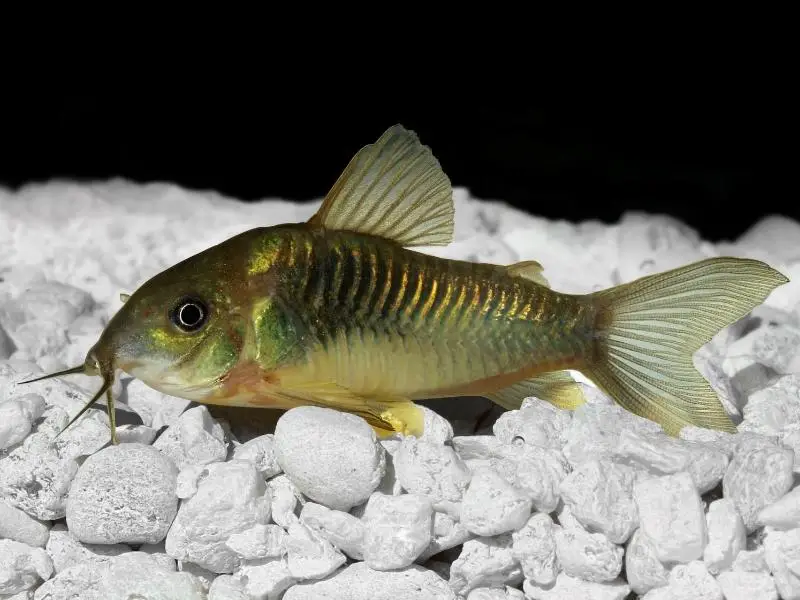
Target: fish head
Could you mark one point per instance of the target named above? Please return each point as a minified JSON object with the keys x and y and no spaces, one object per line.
{"x":181,"y":331}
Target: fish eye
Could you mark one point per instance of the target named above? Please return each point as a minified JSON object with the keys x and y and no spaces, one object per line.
{"x":189,"y":314}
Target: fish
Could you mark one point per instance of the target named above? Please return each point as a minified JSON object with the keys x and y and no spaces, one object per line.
{"x":346,"y":311}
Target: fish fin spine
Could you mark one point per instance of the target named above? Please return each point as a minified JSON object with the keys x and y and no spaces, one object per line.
{"x":647,"y":331}
{"x":394,"y":189}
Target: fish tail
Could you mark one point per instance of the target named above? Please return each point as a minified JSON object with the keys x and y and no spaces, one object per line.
{"x":647,"y":331}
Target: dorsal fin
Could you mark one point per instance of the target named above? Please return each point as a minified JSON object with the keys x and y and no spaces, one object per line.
{"x":528,"y":269}
{"x":394,"y":189}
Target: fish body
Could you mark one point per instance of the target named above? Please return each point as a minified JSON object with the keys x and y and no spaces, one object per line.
{"x":341,"y":311}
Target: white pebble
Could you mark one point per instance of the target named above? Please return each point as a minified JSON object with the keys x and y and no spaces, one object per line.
{"x":758,"y":475}
{"x":398,"y":529}
{"x":436,"y":429}
{"x":642,"y":568}
{"x":136,"y":434}
{"x":537,"y":423}
{"x":782,"y":555}
{"x":534,"y":547}
{"x":535,"y":470}
{"x":594,"y":431}
{"x":600,"y":496}
{"x":722,"y":440}
{"x":784,"y":513}
{"x":485,"y":562}
{"x":476,"y":447}
{"x":231,"y":499}
{"x":333,"y":457}
{"x":123,"y":494}
{"x":726,"y":536}
{"x":751,"y":561}
{"x":747,"y":586}
{"x":310,"y":556}
{"x":688,"y":582}
{"x":447,"y":533}
{"x":492,"y":506}
{"x":258,"y":542}
{"x":15,"y":422}
{"x":771,"y":410}
{"x":672,"y":517}
{"x":261,"y":452}
{"x":22,"y":567}
{"x":341,"y":529}
{"x":430,"y":469}
{"x":155,"y":408}
{"x":588,"y":556}
{"x":507,"y":593}
{"x":571,"y":588}
{"x":19,"y":526}
{"x":266,"y":579}
{"x":194,"y":439}
{"x":188,"y":478}
{"x":359,"y":582}
{"x":660,"y":454}
{"x":228,"y":587}
{"x":66,"y":551}
{"x":284,"y":496}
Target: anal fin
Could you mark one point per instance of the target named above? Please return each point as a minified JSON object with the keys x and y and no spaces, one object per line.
{"x":557,"y":388}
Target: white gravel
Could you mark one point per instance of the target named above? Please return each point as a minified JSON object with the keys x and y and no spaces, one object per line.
{"x":543,"y":504}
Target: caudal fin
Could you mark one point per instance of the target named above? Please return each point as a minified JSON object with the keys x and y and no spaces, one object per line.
{"x":648,"y":330}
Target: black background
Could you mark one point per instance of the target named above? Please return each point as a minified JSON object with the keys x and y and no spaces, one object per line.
{"x":719,"y":164}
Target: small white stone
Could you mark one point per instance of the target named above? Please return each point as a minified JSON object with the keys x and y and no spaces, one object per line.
{"x":187,"y":480}
{"x":771,"y":410}
{"x":136,"y":434}
{"x":390,"y":484}
{"x":22,"y":567}
{"x":436,"y":429}
{"x":537,"y":423}
{"x":432,"y":470}
{"x":194,"y":439}
{"x":758,"y":475}
{"x":492,"y":506}
{"x":359,"y":582}
{"x":447,"y":533}
{"x":688,"y":581}
{"x":782,"y":555}
{"x":333,"y":457}
{"x":534,"y":547}
{"x":476,"y":447}
{"x":228,"y":587}
{"x":784,"y":513}
{"x":747,"y":586}
{"x":261,"y":452}
{"x":726,"y":536}
{"x":309,"y":556}
{"x":721,"y":440}
{"x":15,"y":424}
{"x":230,"y":499}
{"x":123,"y":494}
{"x":66,"y":551}
{"x":284,"y":495}
{"x":642,"y":568}
{"x":341,"y":529}
{"x":600,"y":496}
{"x":535,"y":470}
{"x":507,"y":593}
{"x":571,"y":588}
{"x":155,"y":408}
{"x":671,"y":515}
{"x":258,"y":542}
{"x":398,"y":529}
{"x":266,"y":579}
{"x":588,"y":556}
{"x":485,"y":562}
{"x":751,"y":561}
{"x":19,"y":526}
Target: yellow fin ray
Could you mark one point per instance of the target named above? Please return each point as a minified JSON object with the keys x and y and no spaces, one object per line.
{"x":394,"y":189}
{"x":648,"y":330}
{"x":557,"y":387}
{"x":528,"y":269}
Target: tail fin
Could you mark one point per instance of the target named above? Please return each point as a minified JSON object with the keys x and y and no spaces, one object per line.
{"x":648,"y":330}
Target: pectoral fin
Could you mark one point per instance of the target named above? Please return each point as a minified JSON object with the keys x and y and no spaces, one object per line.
{"x":393,"y":189}
{"x":557,"y":387}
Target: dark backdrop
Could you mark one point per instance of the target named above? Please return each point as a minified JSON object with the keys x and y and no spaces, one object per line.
{"x":717,"y":164}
